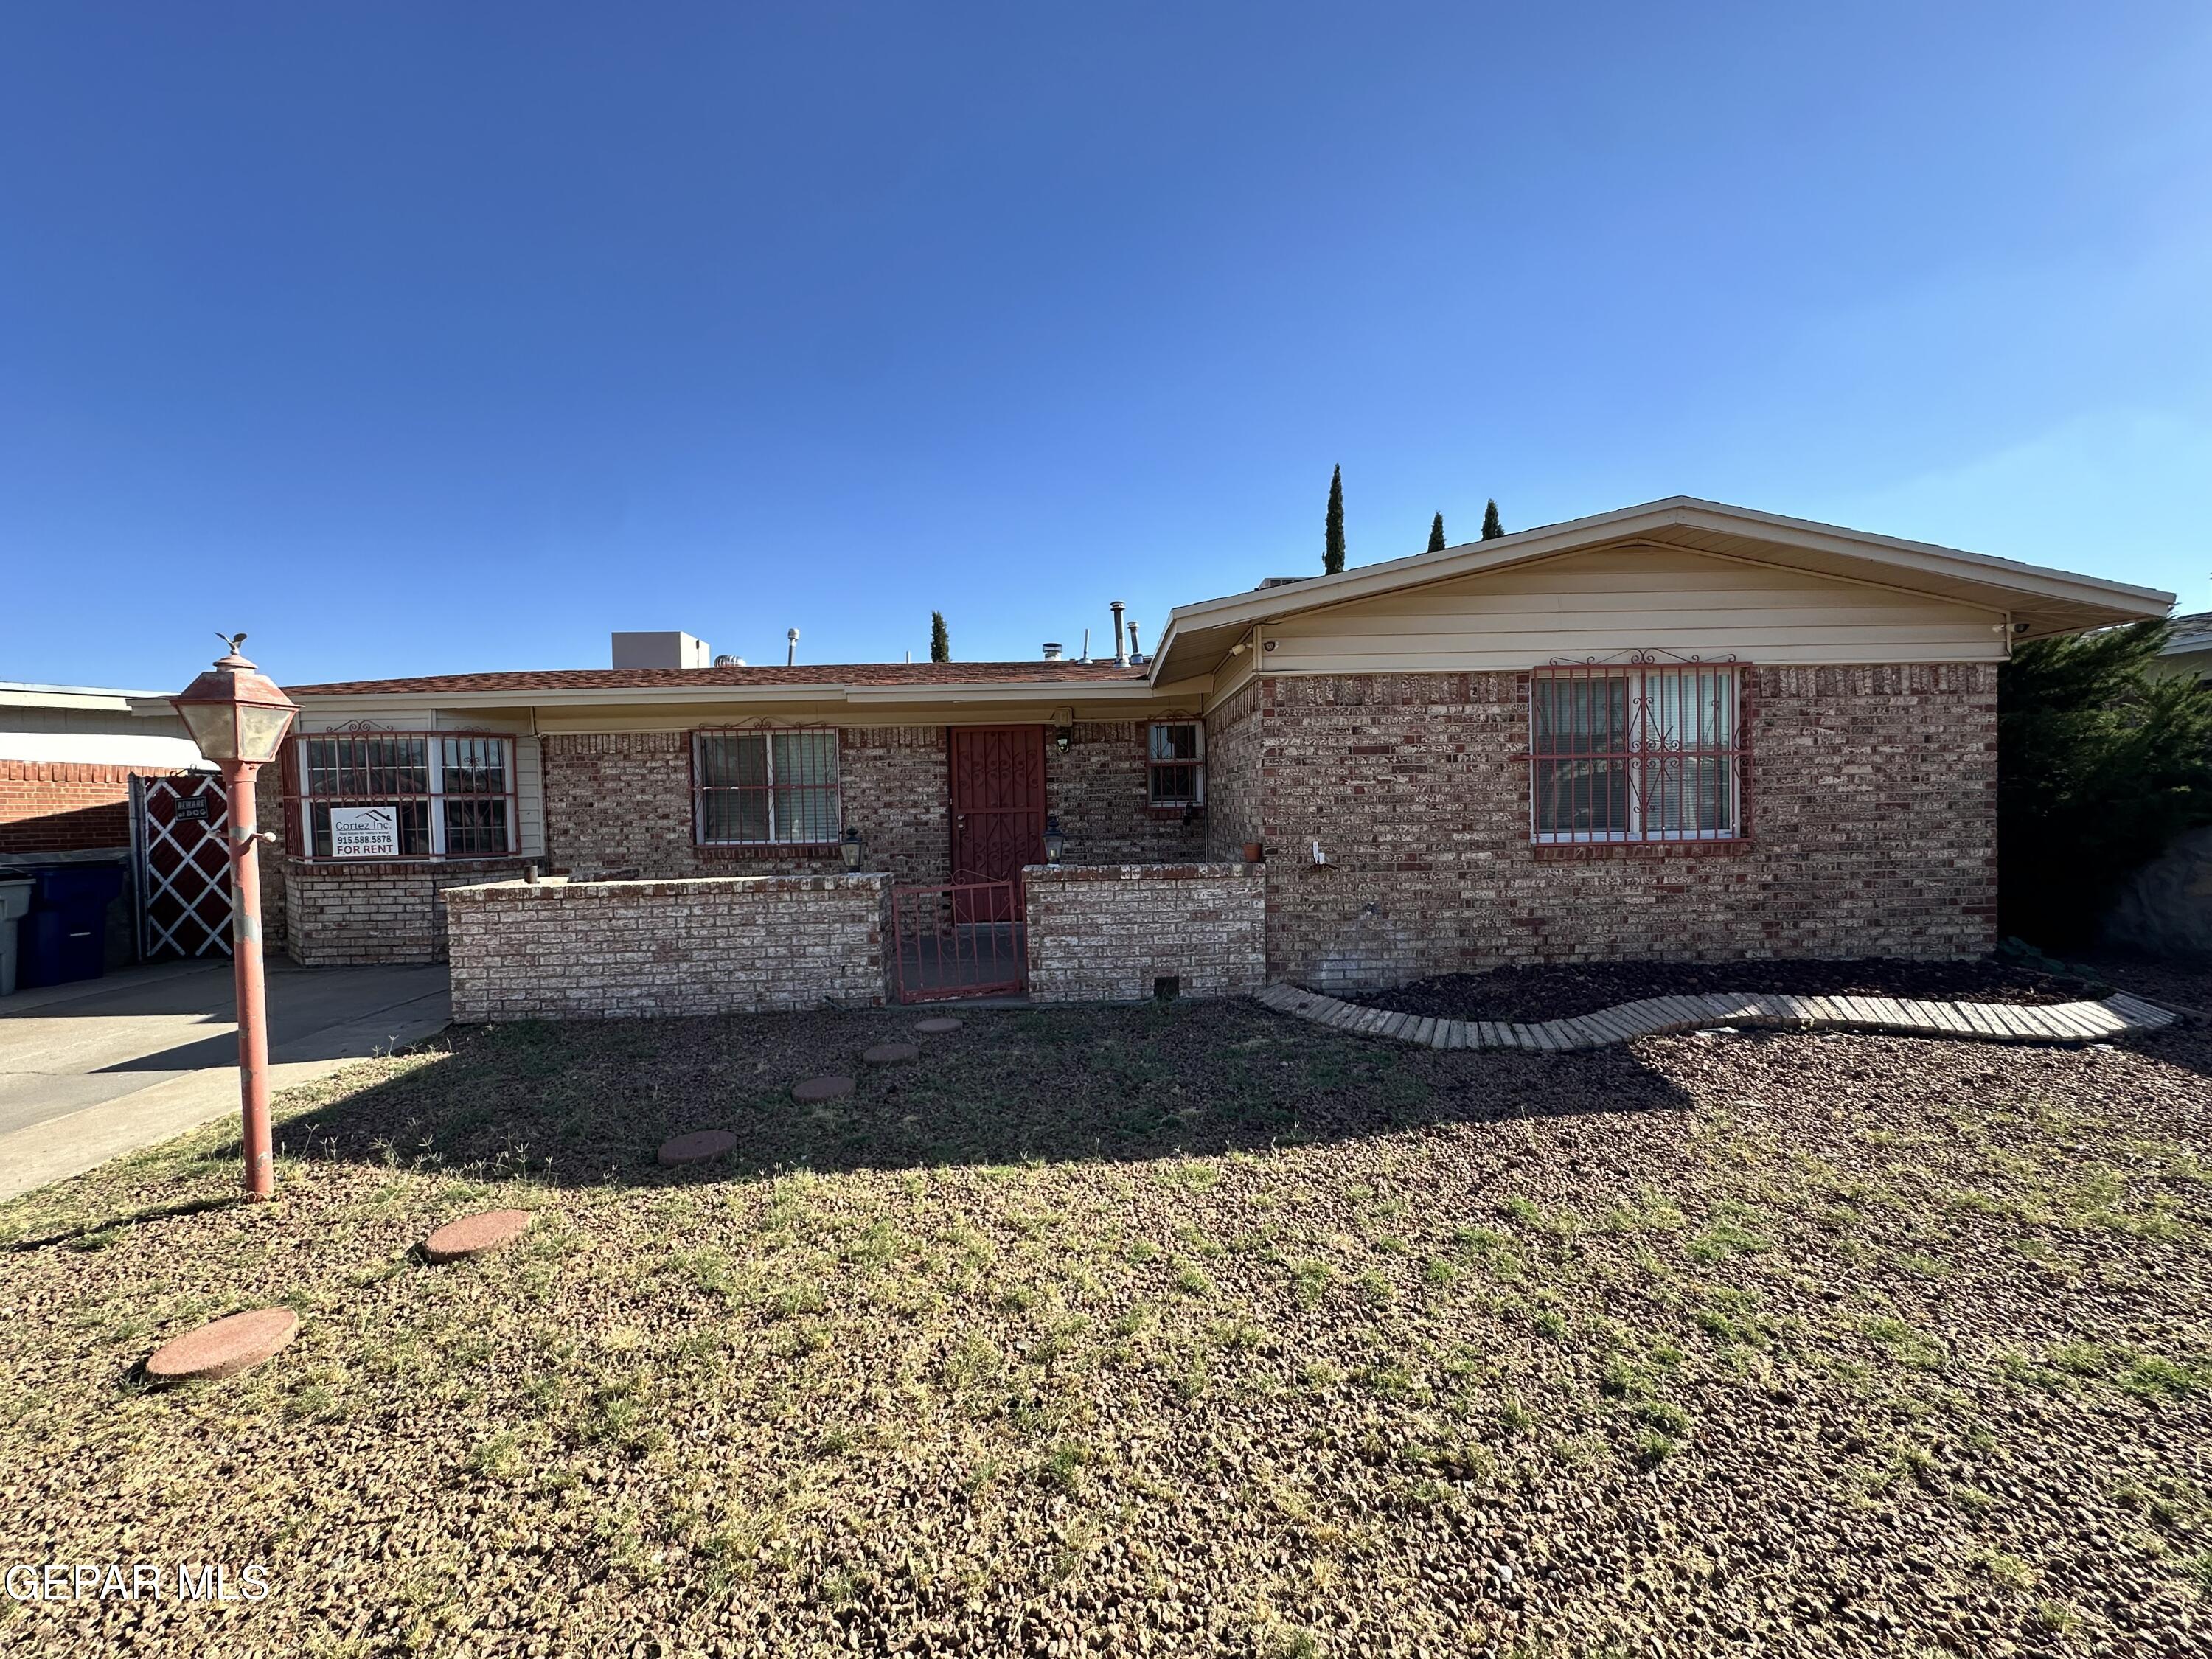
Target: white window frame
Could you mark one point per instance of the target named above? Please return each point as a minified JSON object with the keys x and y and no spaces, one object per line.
{"x":433,"y":743}
{"x":767,"y":734}
{"x":1197,"y":764}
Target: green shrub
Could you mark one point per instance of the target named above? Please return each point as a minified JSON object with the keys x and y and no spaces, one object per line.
{"x":2100,"y":765}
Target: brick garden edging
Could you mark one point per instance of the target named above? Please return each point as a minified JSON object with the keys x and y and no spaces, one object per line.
{"x":1986,"y":1022}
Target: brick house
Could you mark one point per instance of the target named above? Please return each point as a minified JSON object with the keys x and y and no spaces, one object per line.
{"x":1682,"y":730}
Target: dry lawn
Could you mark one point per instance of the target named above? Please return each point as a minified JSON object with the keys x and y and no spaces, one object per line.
{"x":1185,"y":1330}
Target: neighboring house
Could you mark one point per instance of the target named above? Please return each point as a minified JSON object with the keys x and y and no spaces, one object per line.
{"x":2188,"y":649}
{"x":68,"y":754}
{"x":1682,"y":730}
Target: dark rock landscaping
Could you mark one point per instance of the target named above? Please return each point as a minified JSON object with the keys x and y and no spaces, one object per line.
{"x":1536,"y":992}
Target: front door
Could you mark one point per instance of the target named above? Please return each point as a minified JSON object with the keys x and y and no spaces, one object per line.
{"x":998,"y":803}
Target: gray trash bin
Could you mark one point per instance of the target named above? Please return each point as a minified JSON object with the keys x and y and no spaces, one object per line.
{"x":15,"y":904}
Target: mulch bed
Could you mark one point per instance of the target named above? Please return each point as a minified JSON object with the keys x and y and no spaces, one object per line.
{"x":1535,"y":993}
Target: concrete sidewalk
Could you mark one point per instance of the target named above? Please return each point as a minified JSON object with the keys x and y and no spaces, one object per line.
{"x":99,"y":1068}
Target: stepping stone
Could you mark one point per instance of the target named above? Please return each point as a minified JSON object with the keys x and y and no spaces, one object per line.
{"x":937,"y":1027}
{"x":225,"y":1348}
{"x":822,"y":1088}
{"x":888,"y":1053}
{"x":472,"y":1235}
{"x":697,"y":1147}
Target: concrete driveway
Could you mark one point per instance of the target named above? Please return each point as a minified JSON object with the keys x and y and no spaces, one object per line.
{"x":99,"y":1068}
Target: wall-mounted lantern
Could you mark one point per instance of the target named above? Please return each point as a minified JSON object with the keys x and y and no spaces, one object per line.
{"x":1063,"y":738}
{"x":1054,"y":842}
{"x":850,"y":847}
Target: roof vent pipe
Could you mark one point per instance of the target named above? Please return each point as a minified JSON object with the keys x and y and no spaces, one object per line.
{"x":1135,"y":654}
{"x":1120,"y":650}
{"x":791,"y":647}
{"x":1052,"y":650}
{"x":1085,"y":657}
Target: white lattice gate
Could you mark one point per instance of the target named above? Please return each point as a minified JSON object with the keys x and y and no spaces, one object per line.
{"x":180,"y":827}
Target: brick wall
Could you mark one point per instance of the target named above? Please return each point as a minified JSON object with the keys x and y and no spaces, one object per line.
{"x":65,"y":806}
{"x":269,"y":815}
{"x":350,"y":914}
{"x":1874,"y":829}
{"x":622,"y":800}
{"x":1234,"y":804}
{"x":1099,"y":791}
{"x":1104,"y":933}
{"x":729,"y":945}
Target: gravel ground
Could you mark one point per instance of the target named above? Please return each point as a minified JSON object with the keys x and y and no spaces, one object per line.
{"x":1539,"y":991}
{"x":1186,"y":1330}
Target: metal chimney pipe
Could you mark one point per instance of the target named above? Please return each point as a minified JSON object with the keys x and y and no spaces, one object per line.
{"x":1052,"y":650}
{"x":1121,"y":650}
{"x":791,"y":647}
{"x":1085,"y":657}
{"x":1136,"y":653}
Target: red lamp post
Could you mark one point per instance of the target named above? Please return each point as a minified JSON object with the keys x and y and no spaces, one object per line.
{"x":239,"y":716}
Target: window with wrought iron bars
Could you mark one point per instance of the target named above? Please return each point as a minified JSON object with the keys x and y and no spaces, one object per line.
{"x":765,"y":788}
{"x":1641,"y":751}
{"x":1176,"y":753}
{"x":453,"y":794}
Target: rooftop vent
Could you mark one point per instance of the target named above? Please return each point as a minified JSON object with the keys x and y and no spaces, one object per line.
{"x":667,"y":650}
{"x":725,"y":661}
{"x":1280,"y":581}
{"x":1052,"y":650}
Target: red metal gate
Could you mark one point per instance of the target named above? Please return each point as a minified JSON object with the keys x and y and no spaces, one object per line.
{"x":180,"y":828}
{"x":959,"y":938}
{"x":998,"y":817}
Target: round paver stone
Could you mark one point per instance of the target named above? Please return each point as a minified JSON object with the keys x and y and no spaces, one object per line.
{"x":472,"y":1235}
{"x":822,"y":1088}
{"x":698,"y":1146}
{"x":225,"y":1348}
{"x":937,"y":1027}
{"x":888,"y":1053}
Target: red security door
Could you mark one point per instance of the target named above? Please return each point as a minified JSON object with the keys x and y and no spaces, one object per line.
{"x":997,"y":804}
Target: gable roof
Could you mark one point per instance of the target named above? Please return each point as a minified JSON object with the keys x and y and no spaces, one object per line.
{"x":1197,"y":636}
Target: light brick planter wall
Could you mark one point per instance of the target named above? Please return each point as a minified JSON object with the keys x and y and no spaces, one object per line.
{"x":723,"y":945}
{"x":1105,"y":933}
{"x":353,"y":914}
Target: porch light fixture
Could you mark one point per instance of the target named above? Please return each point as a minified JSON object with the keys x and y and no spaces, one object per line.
{"x":236,"y":713}
{"x":239,"y":716}
{"x":850,"y":847}
{"x":1063,"y":737}
{"x":1054,"y":842}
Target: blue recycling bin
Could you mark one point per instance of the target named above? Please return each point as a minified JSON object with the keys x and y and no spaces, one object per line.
{"x":65,"y":935}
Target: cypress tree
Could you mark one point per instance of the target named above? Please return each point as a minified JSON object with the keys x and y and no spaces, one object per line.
{"x":1492,"y":526}
{"x":1332,"y":551}
{"x":1437,"y":535}
{"x":940,"y":642}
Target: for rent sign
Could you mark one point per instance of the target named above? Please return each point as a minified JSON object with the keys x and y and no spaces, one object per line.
{"x":364,"y":832}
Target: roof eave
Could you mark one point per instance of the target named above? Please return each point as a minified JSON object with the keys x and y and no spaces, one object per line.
{"x":2074,"y":601}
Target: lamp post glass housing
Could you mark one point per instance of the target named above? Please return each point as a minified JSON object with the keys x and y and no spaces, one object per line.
{"x":239,"y":716}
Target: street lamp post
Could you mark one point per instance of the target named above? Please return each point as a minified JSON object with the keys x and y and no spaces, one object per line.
{"x":239,"y":716}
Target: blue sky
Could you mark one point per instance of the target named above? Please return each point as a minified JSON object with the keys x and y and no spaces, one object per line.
{"x":419,"y":338}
